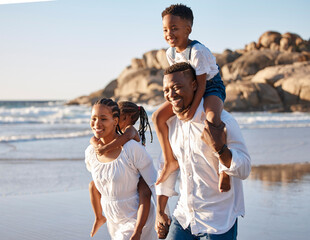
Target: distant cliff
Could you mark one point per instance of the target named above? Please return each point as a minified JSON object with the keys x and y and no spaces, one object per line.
{"x":272,"y":74}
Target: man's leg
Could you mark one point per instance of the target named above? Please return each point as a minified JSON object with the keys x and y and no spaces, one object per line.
{"x":176,"y":232}
{"x":230,"y":235}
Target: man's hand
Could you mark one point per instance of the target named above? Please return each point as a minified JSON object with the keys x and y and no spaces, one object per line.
{"x":214,"y":136}
{"x":162,"y":225}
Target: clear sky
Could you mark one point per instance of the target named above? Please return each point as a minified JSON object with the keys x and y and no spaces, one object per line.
{"x":63,"y":49}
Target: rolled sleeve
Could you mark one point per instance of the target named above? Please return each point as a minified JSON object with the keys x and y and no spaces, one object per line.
{"x":167,"y":188}
{"x":240,"y":166}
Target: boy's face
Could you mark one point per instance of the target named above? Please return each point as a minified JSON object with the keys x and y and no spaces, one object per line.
{"x":176,"y":31}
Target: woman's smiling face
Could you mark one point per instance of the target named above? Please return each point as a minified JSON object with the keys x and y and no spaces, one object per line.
{"x":102,"y":122}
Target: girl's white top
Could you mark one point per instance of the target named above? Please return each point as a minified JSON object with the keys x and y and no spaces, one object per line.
{"x":117,"y":182}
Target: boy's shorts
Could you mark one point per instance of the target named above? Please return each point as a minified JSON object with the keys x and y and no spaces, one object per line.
{"x":215,"y":86}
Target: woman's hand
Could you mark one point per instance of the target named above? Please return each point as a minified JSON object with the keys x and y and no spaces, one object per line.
{"x":136,"y":235}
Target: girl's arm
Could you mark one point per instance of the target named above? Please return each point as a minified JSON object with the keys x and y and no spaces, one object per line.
{"x":144,"y":208}
{"x":129,"y":133}
{"x":201,"y":87}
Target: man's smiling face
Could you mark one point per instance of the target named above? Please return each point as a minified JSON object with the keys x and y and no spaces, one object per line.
{"x":179,"y":89}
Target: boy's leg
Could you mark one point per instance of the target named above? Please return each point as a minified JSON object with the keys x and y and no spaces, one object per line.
{"x":214,"y":107}
{"x":95,"y":197}
{"x":159,"y":118}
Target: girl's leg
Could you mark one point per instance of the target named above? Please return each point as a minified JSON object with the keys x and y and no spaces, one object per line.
{"x":159,"y":118}
{"x":95,"y":197}
{"x":214,"y":107}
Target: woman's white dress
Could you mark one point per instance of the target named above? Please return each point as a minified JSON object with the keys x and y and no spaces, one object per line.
{"x":117,"y":182}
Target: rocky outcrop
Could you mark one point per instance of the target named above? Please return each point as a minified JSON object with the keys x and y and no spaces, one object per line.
{"x":272,"y":74}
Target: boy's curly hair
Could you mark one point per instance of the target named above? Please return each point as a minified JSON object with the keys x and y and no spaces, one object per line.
{"x":180,"y":10}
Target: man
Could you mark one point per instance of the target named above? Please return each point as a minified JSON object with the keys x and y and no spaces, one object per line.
{"x":202,"y":212}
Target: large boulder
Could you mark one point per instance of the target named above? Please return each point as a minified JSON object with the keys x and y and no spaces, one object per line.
{"x":155,"y":59}
{"x":291,"y":81}
{"x":269,"y":37}
{"x":248,"y":96}
{"x":141,"y":84}
{"x":227,"y":56}
{"x":249,"y":64}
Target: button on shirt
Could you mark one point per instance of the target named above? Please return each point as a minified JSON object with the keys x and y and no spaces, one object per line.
{"x":201,"y":205}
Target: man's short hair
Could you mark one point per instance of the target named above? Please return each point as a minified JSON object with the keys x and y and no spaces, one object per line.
{"x":181,"y":67}
{"x":179,"y":10}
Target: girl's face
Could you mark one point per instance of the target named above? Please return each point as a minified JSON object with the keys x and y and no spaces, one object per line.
{"x":176,"y":31}
{"x":102,"y":122}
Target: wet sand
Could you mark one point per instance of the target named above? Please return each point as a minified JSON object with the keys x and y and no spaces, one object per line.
{"x":277,"y":207}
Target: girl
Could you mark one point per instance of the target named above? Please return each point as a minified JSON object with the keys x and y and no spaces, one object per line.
{"x":116,"y":174}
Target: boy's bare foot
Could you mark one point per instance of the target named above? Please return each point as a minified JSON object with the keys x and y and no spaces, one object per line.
{"x":97,"y":224}
{"x":224,"y":182}
{"x":167,"y":170}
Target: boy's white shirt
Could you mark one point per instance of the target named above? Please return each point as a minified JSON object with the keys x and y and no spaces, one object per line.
{"x":202,"y":60}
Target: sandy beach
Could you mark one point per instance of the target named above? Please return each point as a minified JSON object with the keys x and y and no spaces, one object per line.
{"x":272,"y":204}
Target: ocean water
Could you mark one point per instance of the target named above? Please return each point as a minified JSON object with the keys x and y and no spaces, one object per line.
{"x":39,"y":130}
{"x":42,"y":147}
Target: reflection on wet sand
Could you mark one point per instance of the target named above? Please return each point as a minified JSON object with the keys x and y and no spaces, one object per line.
{"x":284,"y":173}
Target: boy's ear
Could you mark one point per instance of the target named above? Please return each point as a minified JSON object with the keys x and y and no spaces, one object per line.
{"x":189,"y":29}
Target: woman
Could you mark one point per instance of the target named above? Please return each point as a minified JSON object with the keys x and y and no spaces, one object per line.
{"x":116,"y":174}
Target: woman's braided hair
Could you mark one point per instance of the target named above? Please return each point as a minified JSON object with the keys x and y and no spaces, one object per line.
{"x":114,"y":108}
{"x":135,"y":113}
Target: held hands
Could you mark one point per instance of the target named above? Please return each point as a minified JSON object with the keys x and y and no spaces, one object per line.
{"x":162,"y":225}
{"x":214,"y":136}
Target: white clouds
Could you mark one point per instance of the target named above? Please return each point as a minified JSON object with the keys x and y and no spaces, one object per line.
{"x":22,"y":1}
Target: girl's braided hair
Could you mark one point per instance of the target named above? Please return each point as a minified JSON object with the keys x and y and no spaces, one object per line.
{"x":135,"y":113}
{"x":114,"y":108}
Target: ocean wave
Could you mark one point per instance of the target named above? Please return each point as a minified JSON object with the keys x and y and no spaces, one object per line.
{"x":19,"y":138}
{"x":52,"y":114}
{"x":272,"y":120}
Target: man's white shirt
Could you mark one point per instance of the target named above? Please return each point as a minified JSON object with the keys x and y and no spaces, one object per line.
{"x":201,"y":204}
